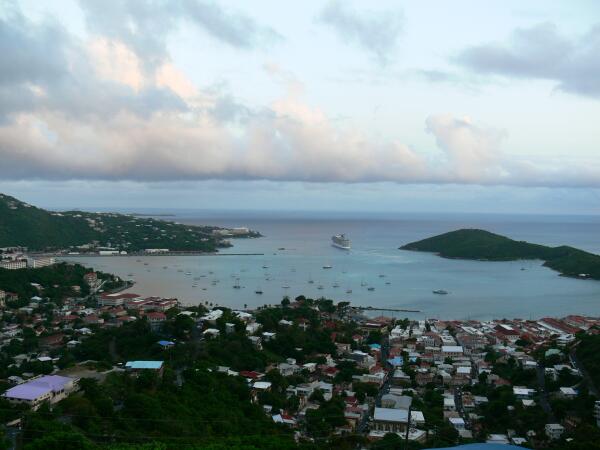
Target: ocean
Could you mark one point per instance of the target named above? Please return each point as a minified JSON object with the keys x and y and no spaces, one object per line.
{"x":296,"y":246}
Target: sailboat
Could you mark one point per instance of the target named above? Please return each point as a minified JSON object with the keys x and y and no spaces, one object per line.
{"x":237,"y":284}
{"x":258,"y":291}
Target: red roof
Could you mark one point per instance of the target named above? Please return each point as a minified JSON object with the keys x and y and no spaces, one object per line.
{"x":251,"y":374}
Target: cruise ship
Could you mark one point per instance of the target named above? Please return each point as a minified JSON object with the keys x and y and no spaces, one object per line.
{"x":341,"y":241}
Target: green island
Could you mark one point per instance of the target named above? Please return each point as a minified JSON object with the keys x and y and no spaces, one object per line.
{"x":24,"y":225}
{"x":483,"y":245}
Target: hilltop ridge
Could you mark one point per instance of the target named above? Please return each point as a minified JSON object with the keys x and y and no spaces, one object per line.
{"x":25,"y":225}
{"x":483,"y":245}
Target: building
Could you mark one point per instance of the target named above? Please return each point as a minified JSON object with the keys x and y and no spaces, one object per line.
{"x":156,"y":319}
{"x":36,"y":263}
{"x":2,"y":298}
{"x":115,"y":299}
{"x":390,"y":420}
{"x":138,"y":366}
{"x":48,"y":388}
{"x":13,"y":264}
{"x":554,"y":430}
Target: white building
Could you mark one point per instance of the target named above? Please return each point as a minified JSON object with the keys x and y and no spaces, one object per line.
{"x":554,"y":430}
{"x":48,"y":388}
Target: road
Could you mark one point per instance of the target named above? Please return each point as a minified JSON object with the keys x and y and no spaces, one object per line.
{"x":544,"y":403}
{"x":586,"y":376}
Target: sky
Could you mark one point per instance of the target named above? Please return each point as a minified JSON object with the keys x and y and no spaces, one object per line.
{"x":398,"y":106}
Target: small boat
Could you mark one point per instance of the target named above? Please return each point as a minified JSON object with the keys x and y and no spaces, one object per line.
{"x":286,"y":286}
{"x":311,"y":282}
{"x":370,"y":288}
{"x":188,"y":273}
{"x":129,"y":274}
{"x":194,"y":285}
{"x":179,"y":270}
{"x":210,"y":273}
{"x":381,"y":275}
{"x":145,"y":264}
{"x":281,"y":248}
{"x":387,"y":282}
{"x":320,"y":287}
{"x":258,"y":291}
{"x":327,"y":267}
{"x":362,"y":283}
{"x":440,"y":292}
{"x":237,"y":284}
{"x":348,"y":291}
{"x":336,"y":285}
{"x":265,"y":267}
{"x":203,"y":289}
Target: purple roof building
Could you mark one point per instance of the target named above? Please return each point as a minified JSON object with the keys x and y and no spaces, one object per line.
{"x":52,"y":388}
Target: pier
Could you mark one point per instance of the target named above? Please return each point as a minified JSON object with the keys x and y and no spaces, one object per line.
{"x":373,"y":308}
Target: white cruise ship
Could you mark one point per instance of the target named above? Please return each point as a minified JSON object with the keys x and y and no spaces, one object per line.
{"x":341,"y":241}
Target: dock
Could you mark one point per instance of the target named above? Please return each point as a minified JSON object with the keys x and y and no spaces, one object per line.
{"x":373,"y":308}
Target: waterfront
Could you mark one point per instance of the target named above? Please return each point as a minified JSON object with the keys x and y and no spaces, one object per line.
{"x":401,"y":279}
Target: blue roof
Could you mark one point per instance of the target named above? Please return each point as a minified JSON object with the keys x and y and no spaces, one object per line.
{"x":166,"y":343}
{"x":144,"y":365}
{"x":396,"y":361}
{"x":375,"y":346}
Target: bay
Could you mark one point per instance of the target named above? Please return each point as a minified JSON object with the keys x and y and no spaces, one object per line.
{"x":400,"y":279}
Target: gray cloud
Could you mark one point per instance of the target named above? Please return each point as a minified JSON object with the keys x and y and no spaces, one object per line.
{"x":144,"y":25}
{"x":377,"y":33}
{"x":541,"y":52}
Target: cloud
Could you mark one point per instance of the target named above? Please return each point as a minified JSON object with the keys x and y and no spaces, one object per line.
{"x":144,"y":25}
{"x":541,"y":52}
{"x":375,"y":32}
{"x":101,"y":113}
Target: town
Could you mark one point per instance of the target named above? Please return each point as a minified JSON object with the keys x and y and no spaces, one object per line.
{"x":313,"y":370}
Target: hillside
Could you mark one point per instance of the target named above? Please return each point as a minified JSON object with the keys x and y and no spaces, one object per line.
{"x":483,"y":245}
{"x":25,"y":225}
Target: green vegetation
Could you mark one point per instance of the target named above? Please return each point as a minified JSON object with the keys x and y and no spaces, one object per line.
{"x":57,"y":280}
{"x":24,"y":225}
{"x":587,"y":352}
{"x":486,"y":246}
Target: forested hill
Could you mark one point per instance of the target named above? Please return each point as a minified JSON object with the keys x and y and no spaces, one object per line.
{"x":483,"y":245}
{"x":25,"y":225}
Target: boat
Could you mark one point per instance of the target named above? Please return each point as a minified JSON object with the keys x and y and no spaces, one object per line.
{"x":381,"y":275}
{"x":281,"y":248}
{"x":387,"y":282}
{"x":258,"y":291}
{"x":188,"y":273}
{"x":440,"y":292}
{"x":237,"y":284}
{"x":336,"y":285}
{"x":341,"y":241}
{"x":348,"y":291}
{"x":286,"y":286}
{"x":327,"y":266}
{"x":265,"y":267}
{"x":371,"y":288}
{"x":320,"y":287}
{"x":362,"y":283}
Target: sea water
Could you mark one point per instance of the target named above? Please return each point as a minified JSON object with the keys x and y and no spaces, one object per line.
{"x":296,"y":246}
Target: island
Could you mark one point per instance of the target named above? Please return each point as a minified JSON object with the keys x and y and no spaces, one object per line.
{"x":483,"y":245}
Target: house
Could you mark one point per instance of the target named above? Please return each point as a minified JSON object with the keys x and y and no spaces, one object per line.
{"x":390,"y":420}
{"x":48,"y":388}
{"x":138,"y":366}
{"x":567,"y":393}
{"x":396,"y":401}
{"x":52,"y":341}
{"x":156,"y":319}
{"x":115,"y":299}
{"x":554,"y":430}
